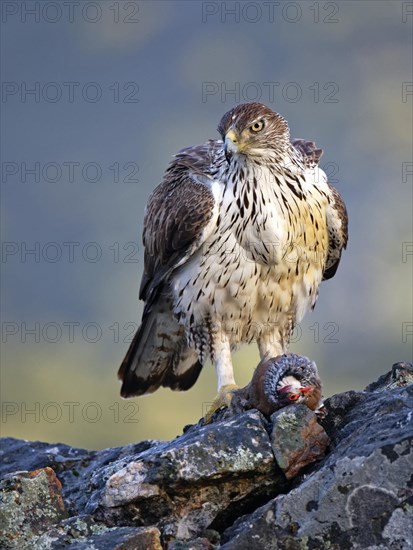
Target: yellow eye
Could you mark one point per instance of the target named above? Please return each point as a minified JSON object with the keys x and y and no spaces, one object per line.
{"x":257,"y":126}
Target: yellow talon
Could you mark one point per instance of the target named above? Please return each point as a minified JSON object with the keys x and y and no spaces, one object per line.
{"x":223,"y":399}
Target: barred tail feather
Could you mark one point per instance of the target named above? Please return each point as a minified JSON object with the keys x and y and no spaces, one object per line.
{"x":158,"y":356}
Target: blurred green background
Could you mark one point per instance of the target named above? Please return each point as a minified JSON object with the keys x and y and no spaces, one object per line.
{"x":96,"y":98}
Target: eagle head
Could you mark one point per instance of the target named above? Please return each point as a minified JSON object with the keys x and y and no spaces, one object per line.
{"x":253,"y":130}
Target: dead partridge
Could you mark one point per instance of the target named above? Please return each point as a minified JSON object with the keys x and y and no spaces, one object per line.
{"x":281,"y":381}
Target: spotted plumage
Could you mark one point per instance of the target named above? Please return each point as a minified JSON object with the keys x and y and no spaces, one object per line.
{"x":237,"y":238}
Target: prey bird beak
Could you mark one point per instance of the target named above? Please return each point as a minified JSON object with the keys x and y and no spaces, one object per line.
{"x":285,"y":389}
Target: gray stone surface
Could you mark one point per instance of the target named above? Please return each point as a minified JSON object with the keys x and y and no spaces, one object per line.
{"x":73,"y":466}
{"x":297,"y":439}
{"x":187,"y":484}
{"x":223,"y":485}
{"x":360,"y":496}
{"x":30,"y":504}
{"x":122,"y":538}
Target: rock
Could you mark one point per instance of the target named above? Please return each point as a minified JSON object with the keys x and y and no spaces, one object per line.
{"x":401,"y":375}
{"x":216,"y":468}
{"x":360,"y":496}
{"x":30,"y":503}
{"x":90,"y":536}
{"x":196,"y":544}
{"x":297,"y":439}
{"x":242,"y":482}
{"x":122,"y":538}
{"x":72,"y":466}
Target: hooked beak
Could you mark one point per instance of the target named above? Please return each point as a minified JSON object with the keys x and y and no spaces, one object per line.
{"x":230,"y":145}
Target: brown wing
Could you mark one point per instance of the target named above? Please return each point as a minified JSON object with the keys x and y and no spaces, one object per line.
{"x":337,"y":223}
{"x":337,"y":219}
{"x":178,"y":213}
{"x":179,"y":217}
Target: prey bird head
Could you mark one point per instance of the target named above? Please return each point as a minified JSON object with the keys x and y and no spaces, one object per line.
{"x":297,"y":393}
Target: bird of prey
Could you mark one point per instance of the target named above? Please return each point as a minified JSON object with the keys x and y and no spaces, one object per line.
{"x":278,"y":382}
{"x":237,"y":239}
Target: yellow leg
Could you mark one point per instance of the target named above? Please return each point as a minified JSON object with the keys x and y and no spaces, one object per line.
{"x":223,"y":399}
{"x":225,"y":373}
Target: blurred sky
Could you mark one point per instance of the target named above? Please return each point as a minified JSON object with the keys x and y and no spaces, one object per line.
{"x":96,"y":98}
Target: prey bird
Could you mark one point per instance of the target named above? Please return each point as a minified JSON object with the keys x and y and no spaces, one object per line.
{"x":237,"y":239}
{"x":280,"y":381}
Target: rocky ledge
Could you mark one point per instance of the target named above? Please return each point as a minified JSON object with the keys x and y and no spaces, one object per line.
{"x":339,"y":479}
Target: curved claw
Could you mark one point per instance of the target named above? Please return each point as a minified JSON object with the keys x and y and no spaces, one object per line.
{"x":223,"y":399}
